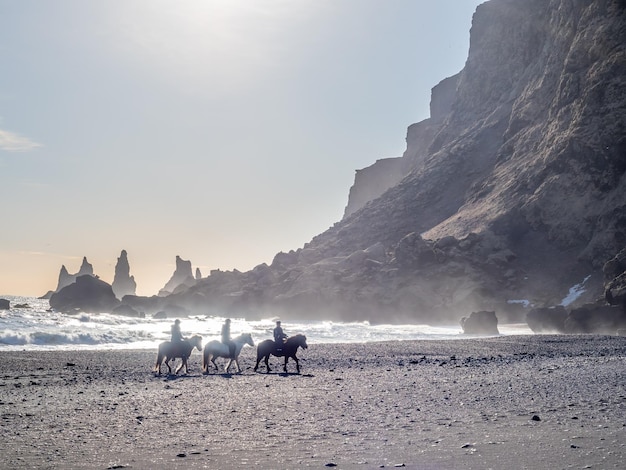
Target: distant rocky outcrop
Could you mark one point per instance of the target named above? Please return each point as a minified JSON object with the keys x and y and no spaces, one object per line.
{"x":87,"y":294}
{"x":512,"y":189}
{"x":65,"y":278}
{"x":123,"y":282}
{"x":5,"y":304}
{"x":181,"y":279}
{"x":198,"y":274}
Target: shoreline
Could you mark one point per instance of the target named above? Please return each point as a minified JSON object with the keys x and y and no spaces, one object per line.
{"x":542,"y":401}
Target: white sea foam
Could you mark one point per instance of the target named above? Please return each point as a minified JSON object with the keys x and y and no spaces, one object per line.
{"x":38,"y":328}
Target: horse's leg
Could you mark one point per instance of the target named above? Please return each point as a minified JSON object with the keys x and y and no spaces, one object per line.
{"x":183,"y":363}
{"x":167,"y":363}
{"x":228,"y":365}
{"x":237,"y":364}
{"x":297,"y":363}
{"x":267,"y":363}
{"x":258,"y":359}
{"x":214,"y":363}
{"x":286,"y":359}
{"x":157,"y":366}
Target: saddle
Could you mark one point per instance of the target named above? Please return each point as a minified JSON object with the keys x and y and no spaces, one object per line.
{"x":278,"y":347}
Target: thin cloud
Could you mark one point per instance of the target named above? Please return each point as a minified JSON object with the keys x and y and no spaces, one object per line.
{"x":12,"y":142}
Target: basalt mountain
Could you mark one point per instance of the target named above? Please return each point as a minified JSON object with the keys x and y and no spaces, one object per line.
{"x":512,"y":192}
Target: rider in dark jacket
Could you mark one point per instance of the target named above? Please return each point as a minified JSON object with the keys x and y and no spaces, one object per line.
{"x":226,"y":338}
{"x":176,"y":334}
{"x":279,"y":336}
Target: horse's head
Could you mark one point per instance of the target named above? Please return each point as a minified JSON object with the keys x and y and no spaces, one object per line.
{"x":196,"y":342}
{"x":247,"y":337}
{"x":302,"y":341}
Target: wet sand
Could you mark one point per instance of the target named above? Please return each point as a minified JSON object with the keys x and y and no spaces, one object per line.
{"x":525,"y":402}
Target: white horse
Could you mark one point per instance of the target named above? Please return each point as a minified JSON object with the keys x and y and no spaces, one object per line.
{"x":216,"y":348}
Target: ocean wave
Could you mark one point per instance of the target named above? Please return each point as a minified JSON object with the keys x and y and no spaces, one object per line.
{"x":76,"y":338}
{"x":38,"y":328}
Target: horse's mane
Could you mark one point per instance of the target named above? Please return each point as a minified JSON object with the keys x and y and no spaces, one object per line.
{"x":297,"y":336}
{"x":242,"y":335}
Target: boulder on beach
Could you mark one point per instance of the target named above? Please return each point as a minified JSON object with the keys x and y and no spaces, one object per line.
{"x":5,"y":304}
{"x":480,"y":323}
{"x":547,"y":319}
{"x":596,"y":319}
{"x":88,"y":294}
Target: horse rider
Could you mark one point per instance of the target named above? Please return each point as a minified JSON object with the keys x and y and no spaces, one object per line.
{"x":279,"y":336}
{"x":177,"y":336}
{"x":227,"y":340}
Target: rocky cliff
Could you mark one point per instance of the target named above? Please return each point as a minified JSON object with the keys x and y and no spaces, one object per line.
{"x":370,"y":183}
{"x":512,"y":192}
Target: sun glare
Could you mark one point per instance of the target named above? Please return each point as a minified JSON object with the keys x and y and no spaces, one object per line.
{"x":218,"y":43}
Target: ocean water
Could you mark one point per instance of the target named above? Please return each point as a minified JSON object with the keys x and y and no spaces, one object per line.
{"x":38,"y":328}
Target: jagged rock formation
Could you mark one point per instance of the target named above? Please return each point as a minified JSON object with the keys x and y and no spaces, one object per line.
{"x":65,"y":278}
{"x":180,"y":280}
{"x":87,"y":294}
{"x":513,"y":189}
{"x":123,"y":282}
{"x":198,"y":274}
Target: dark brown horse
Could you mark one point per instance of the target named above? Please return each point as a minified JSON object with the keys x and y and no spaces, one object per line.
{"x":169,"y":350}
{"x":288,"y":350}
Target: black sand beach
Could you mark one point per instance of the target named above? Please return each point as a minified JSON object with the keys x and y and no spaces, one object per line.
{"x":529,"y":402}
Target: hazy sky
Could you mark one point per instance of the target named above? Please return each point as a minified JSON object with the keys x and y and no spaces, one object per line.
{"x":223,"y":131}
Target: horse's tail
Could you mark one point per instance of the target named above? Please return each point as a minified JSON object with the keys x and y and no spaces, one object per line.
{"x":159,"y":361}
{"x":205,"y":360}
